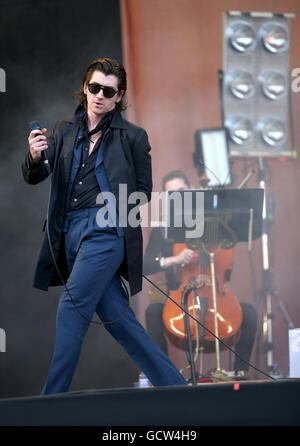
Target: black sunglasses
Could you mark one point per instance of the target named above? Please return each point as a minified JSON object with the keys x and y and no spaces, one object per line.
{"x":108,"y":92}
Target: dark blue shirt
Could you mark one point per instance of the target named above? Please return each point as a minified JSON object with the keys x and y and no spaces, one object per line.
{"x":85,"y":187}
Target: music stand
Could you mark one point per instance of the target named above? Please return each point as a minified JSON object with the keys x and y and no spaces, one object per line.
{"x":234,"y":206}
{"x":235,"y":215}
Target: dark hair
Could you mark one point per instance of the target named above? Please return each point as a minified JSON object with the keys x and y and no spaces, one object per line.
{"x":172,"y":175}
{"x":106,"y":66}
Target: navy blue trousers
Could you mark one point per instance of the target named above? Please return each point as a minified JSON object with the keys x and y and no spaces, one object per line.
{"x":94,"y":255}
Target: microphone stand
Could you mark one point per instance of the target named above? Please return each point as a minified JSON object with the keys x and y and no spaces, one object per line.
{"x":189,"y":337}
{"x":267,"y":289}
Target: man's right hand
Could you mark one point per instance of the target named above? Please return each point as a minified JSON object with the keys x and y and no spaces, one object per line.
{"x":37,"y":141}
{"x":181,"y":259}
{"x":185,"y":257}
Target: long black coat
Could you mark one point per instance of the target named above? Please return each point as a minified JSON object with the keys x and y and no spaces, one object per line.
{"x":126,"y":160}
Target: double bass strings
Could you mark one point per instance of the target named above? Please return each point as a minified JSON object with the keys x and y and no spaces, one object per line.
{"x":208,"y":330}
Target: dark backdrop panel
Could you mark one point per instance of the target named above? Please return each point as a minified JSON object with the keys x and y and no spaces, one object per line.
{"x":45,"y":48}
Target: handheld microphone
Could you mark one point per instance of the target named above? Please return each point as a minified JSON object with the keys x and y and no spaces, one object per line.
{"x":35,"y":125}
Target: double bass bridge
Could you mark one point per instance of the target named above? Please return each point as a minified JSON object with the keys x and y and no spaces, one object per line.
{"x":199,"y":281}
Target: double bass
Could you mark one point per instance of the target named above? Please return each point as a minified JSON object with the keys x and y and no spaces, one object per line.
{"x":199,"y":280}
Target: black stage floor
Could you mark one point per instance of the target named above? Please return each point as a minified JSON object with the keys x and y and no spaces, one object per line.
{"x":238,"y":403}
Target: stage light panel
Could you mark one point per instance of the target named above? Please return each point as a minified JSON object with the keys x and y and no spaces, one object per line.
{"x":255,"y":83}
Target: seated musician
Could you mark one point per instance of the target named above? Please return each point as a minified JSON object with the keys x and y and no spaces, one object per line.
{"x":159,"y":257}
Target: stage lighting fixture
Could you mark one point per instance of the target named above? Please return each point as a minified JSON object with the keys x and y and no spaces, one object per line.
{"x":240,"y":129}
{"x":242,"y":37}
{"x":275,"y":38}
{"x":274,"y":84}
{"x":273,"y":131}
{"x":255,"y":84}
{"x":241,"y":84}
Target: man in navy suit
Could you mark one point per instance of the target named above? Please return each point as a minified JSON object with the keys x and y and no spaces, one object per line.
{"x":90,"y":155}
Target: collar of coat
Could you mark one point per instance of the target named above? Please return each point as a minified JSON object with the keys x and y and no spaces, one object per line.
{"x":116,"y":122}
